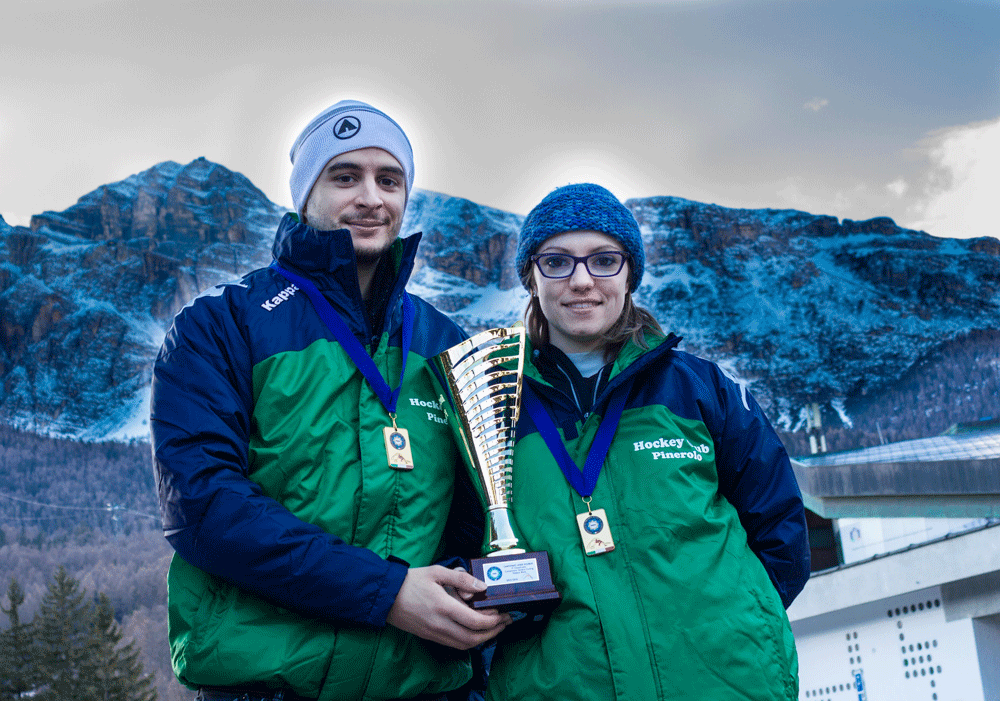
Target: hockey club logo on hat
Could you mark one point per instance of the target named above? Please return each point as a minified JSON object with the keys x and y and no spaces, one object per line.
{"x":346,"y":127}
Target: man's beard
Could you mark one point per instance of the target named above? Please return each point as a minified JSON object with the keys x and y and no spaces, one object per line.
{"x":364,"y":254}
{"x":370,"y":257}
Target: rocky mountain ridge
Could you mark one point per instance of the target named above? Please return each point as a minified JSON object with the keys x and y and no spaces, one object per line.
{"x":802,"y":307}
{"x":87,"y":294}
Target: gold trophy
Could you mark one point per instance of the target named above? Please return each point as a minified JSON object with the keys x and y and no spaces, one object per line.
{"x":483,"y":388}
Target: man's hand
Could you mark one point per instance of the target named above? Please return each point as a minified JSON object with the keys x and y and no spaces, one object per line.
{"x":425,"y":608}
{"x":461,"y":595}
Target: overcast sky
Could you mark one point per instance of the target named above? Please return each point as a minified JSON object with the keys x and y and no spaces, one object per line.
{"x":855,"y":109}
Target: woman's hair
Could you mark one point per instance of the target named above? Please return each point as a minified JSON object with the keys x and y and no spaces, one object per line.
{"x":633,"y":323}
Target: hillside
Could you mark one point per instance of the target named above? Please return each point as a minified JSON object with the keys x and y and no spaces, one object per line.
{"x":804,"y":308}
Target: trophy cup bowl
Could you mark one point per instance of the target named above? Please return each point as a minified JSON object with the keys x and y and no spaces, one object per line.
{"x":481,"y":380}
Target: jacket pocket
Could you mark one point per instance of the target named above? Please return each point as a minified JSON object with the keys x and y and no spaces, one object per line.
{"x":222,"y":636}
{"x":405,"y":666}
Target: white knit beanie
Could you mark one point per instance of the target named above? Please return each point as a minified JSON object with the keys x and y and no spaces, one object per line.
{"x":348,"y":125}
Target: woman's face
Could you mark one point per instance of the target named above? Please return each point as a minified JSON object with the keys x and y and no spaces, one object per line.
{"x":580,"y":308}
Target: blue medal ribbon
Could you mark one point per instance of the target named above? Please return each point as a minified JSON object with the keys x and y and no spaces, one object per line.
{"x":351,"y":345}
{"x":583,"y":482}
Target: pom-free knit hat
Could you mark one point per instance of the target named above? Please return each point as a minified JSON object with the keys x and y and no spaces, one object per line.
{"x":348,"y":125}
{"x":582,"y":207}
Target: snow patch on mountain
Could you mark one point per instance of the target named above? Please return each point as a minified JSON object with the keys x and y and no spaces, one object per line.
{"x":800,"y":308}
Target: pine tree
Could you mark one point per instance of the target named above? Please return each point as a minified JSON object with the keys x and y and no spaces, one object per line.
{"x":18,"y":673}
{"x":62,"y":632}
{"x":79,"y":651}
{"x":113,"y":671}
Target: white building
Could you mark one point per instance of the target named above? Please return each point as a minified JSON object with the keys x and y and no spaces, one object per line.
{"x":913,"y":614}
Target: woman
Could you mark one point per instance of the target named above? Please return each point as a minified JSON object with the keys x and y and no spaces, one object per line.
{"x":656,"y":484}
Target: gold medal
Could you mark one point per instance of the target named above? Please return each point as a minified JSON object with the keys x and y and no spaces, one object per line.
{"x":595,"y":531}
{"x":397,"y":446}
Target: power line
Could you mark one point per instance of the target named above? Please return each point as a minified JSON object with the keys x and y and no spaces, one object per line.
{"x":32,"y":519}
{"x":114,"y":508}
{"x":50,"y":506}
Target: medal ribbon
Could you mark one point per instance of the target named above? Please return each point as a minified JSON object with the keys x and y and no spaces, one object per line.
{"x":583,"y":482}
{"x":351,"y":345}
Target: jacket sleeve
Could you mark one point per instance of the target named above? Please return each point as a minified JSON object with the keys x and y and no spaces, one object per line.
{"x":214,"y":515}
{"x":756,"y":477}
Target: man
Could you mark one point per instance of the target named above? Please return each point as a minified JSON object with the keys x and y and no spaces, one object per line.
{"x":303,"y":461}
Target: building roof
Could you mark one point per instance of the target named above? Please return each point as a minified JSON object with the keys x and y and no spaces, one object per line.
{"x":962,"y":445}
{"x":954,"y":475}
{"x":965,"y":565}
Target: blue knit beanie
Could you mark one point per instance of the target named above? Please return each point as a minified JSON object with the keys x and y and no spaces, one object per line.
{"x":582,"y":207}
{"x":348,"y":125}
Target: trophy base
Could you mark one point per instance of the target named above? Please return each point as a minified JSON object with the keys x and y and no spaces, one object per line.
{"x":519,"y":584}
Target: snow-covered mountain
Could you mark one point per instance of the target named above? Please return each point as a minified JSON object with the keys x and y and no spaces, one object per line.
{"x":810,"y":309}
{"x":804,"y":308}
{"x":87,"y":294}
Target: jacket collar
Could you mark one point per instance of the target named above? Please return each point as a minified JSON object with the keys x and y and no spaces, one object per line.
{"x":632,"y":359}
{"x":327,"y":259}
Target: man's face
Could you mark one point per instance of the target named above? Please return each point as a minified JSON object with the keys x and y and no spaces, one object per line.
{"x":363,"y":191}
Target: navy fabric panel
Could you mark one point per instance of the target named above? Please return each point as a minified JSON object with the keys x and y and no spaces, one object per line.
{"x":202,"y":403}
{"x":293,"y":324}
{"x":433,"y":332}
{"x":211,"y":510}
{"x":753,"y":468}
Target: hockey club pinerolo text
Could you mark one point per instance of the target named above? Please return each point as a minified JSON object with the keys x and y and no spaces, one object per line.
{"x":697,"y":452}
{"x":431,"y":416}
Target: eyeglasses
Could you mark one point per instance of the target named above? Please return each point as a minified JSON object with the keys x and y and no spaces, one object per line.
{"x":563,"y":265}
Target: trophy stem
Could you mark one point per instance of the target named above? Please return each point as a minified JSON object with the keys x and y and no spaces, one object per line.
{"x":502,"y":538}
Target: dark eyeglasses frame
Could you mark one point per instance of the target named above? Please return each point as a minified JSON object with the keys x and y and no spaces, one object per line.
{"x":621,"y":255}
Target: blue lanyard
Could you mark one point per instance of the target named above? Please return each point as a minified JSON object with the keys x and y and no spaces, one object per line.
{"x":351,"y":345}
{"x":583,"y":482}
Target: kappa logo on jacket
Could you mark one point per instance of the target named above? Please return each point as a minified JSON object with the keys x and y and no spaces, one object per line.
{"x":286,"y":293}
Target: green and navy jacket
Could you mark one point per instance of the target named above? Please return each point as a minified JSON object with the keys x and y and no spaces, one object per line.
{"x":292,"y":534}
{"x":710,"y":536}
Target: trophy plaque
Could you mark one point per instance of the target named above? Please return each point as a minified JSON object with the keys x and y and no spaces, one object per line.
{"x":483,"y":387}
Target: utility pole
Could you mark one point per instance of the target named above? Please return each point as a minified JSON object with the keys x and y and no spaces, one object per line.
{"x":814,"y":426}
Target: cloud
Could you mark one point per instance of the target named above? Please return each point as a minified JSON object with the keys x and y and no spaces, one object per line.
{"x":898,"y":187}
{"x":848,"y":201}
{"x":946,"y":186}
{"x":816,"y":104}
{"x":959,"y":197}
{"x":16,"y":219}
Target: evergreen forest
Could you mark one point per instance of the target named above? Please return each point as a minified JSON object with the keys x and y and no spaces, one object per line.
{"x":87,"y":510}
{"x":71,"y":650}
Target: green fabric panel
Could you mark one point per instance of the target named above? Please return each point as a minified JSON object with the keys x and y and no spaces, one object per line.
{"x":216,"y":628}
{"x":681,"y":609}
{"x":332,"y":471}
{"x":322,"y":454}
